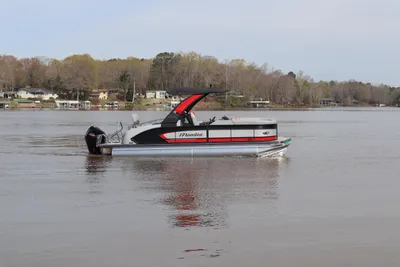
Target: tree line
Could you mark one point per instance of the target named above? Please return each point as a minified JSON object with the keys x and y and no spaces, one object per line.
{"x":81,"y":74}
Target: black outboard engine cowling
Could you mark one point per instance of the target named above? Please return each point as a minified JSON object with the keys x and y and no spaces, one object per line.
{"x":92,"y":134}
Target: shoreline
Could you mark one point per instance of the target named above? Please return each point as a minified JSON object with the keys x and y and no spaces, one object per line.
{"x":163,"y":105}
{"x":199,"y":109}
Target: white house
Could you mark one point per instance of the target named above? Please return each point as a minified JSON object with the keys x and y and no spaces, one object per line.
{"x":41,"y":93}
{"x":7,"y":95}
{"x":101,"y":94}
{"x":159,"y":94}
{"x":150,"y":94}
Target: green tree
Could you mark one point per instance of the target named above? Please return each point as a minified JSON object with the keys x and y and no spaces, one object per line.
{"x":163,"y":69}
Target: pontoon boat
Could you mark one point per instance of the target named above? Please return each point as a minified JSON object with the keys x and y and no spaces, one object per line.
{"x":181,"y":134}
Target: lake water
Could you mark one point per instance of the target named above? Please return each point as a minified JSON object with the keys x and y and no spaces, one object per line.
{"x":332,"y":201}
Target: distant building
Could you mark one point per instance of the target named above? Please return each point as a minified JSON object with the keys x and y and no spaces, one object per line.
{"x":259,"y":102}
{"x":159,"y":94}
{"x":327,"y":102}
{"x":101,"y":94}
{"x":150,"y":94}
{"x":41,"y":93}
{"x":8,"y":95}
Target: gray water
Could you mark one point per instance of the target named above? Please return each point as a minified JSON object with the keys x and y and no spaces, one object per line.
{"x":332,"y":201}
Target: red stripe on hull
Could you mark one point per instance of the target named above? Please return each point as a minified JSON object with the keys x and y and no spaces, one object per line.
{"x":243,"y":139}
{"x":222,"y":140}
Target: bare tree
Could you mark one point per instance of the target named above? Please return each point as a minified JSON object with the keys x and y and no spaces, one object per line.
{"x":82,"y":73}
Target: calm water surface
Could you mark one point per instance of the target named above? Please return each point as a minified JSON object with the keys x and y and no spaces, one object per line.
{"x":332,"y":201}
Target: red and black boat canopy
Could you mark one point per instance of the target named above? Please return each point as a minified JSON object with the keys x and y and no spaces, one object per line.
{"x":184,"y":107}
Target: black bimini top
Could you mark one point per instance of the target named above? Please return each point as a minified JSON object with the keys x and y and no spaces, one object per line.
{"x":193,"y":91}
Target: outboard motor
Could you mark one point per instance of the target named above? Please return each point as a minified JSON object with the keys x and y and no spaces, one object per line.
{"x":91,"y":137}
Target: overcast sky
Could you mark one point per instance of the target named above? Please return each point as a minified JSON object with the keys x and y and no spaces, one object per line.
{"x":329,"y":40}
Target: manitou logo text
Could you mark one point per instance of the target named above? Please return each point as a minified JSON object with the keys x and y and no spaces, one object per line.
{"x":265,"y":133}
{"x":190,"y":135}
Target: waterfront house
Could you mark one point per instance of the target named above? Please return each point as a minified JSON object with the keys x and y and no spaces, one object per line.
{"x":101,"y":94}
{"x":41,"y":93}
{"x":327,"y":102}
{"x":7,"y":95}
{"x":159,"y":94}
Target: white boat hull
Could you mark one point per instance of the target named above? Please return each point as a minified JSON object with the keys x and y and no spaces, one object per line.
{"x":259,"y":149}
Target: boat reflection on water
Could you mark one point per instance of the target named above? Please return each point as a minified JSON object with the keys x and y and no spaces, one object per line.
{"x":97,"y":164}
{"x":198,"y":191}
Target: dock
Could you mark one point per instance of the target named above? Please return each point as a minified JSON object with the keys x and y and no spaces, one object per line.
{"x":73,"y":104}
{"x":28,"y":104}
{"x":4,"y":104}
{"x":259,"y":103}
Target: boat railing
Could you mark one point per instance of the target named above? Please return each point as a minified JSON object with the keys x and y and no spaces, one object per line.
{"x":134,"y":125}
{"x":116,"y":137}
